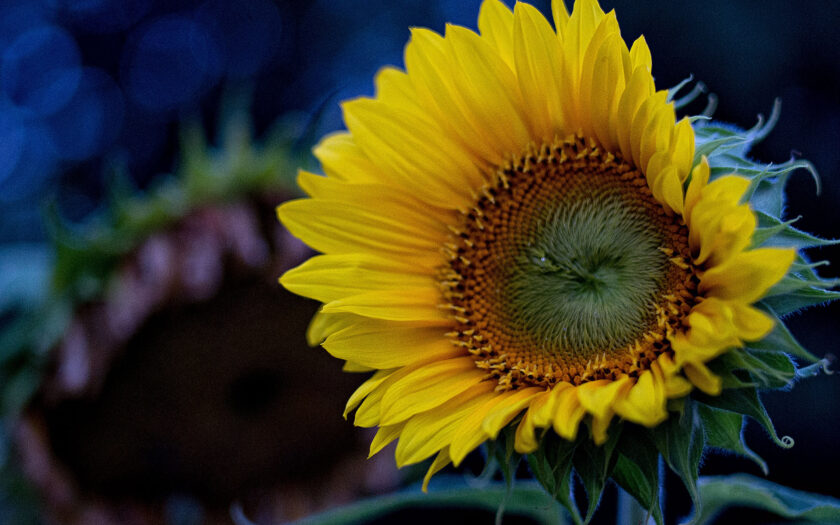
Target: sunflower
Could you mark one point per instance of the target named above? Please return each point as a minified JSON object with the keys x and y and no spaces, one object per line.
{"x":517,"y":230}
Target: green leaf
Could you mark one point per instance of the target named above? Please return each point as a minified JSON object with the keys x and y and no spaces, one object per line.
{"x":745,"y":401}
{"x":526,"y":499}
{"x":551,"y":464}
{"x":680,"y":440}
{"x":637,"y":469}
{"x":594,"y":464}
{"x":725,"y":430}
{"x":741,"y":490}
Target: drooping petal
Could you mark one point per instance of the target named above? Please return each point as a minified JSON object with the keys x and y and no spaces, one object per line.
{"x":431,"y":431}
{"x":428,"y":387}
{"x":746,"y":277}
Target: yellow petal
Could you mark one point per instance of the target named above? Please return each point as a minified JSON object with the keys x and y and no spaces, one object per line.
{"x":640,"y":54}
{"x":751,"y":323}
{"x":395,"y":87}
{"x":418,"y":155}
{"x":470,"y":433}
{"x":643,"y":136}
{"x":584,"y":20}
{"x":639,"y":89}
{"x":600,"y":424}
{"x":597,"y":397}
{"x":711,"y":332}
{"x":353,"y":367}
{"x":699,"y":180}
{"x":408,"y":304}
{"x":669,"y":188}
{"x":428,"y":387}
{"x":644,"y":403}
{"x":385,"y":435}
{"x":543,"y":413}
{"x":327,"y":278}
{"x":489,"y":90}
{"x":385,"y":344}
{"x":747,"y":276}
{"x":525,"y":438}
{"x":538,"y":67}
{"x":608,"y":83}
{"x":427,"y":433}
{"x":720,"y":226}
{"x":323,"y":325}
{"x":602,"y":53}
{"x":703,"y":378}
{"x":366,"y":389}
{"x":682,"y":148}
{"x":509,"y":408}
{"x":675,"y":385}
{"x":657,"y":135}
{"x":568,"y":414}
{"x":338,"y":227}
{"x":431,"y":69}
{"x":342,"y":159}
{"x":441,"y":460}
{"x":495,"y":23}
{"x":560,"y":15}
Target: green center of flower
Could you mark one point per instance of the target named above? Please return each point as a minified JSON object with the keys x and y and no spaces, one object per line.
{"x":567,"y":269}
{"x":588,"y":276}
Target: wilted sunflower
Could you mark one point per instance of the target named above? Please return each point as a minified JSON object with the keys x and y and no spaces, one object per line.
{"x":517,"y":226}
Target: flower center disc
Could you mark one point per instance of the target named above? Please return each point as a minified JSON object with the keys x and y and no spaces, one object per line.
{"x":567,"y":269}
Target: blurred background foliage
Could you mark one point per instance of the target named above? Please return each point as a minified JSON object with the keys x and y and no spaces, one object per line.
{"x":98,"y":98}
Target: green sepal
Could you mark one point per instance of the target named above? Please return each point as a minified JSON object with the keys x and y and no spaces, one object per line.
{"x":725,"y":430}
{"x":637,"y":469}
{"x":767,"y":369}
{"x":680,"y":440}
{"x":551,"y":464}
{"x":745,"y":401}
{"x":594,"y":465}
{"x":775,"y":232}
{"x":729,"y":139}
{"x":803,"y":298}
{"x":742,"y":490}
{"x":814,"y":369}
{"x":781,"y":340}
{"x":766,"y":193}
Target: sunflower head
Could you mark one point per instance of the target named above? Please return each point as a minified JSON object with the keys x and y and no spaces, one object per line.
{"x":523,"y":243}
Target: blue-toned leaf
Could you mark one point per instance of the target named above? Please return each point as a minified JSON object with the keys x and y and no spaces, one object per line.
{"x":725,"y":430}
{"x":742,"y":490}
{"x":745,"y":401}
{"x":791,"y":302}
{"x":525,"y":499}
{"x":594,"y":464}
{"x":551,"y":464}
{"x":774,"y":232}
{"x":637,"y":469}
{"x":680,"y":440}
{"x":781,"y":340}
